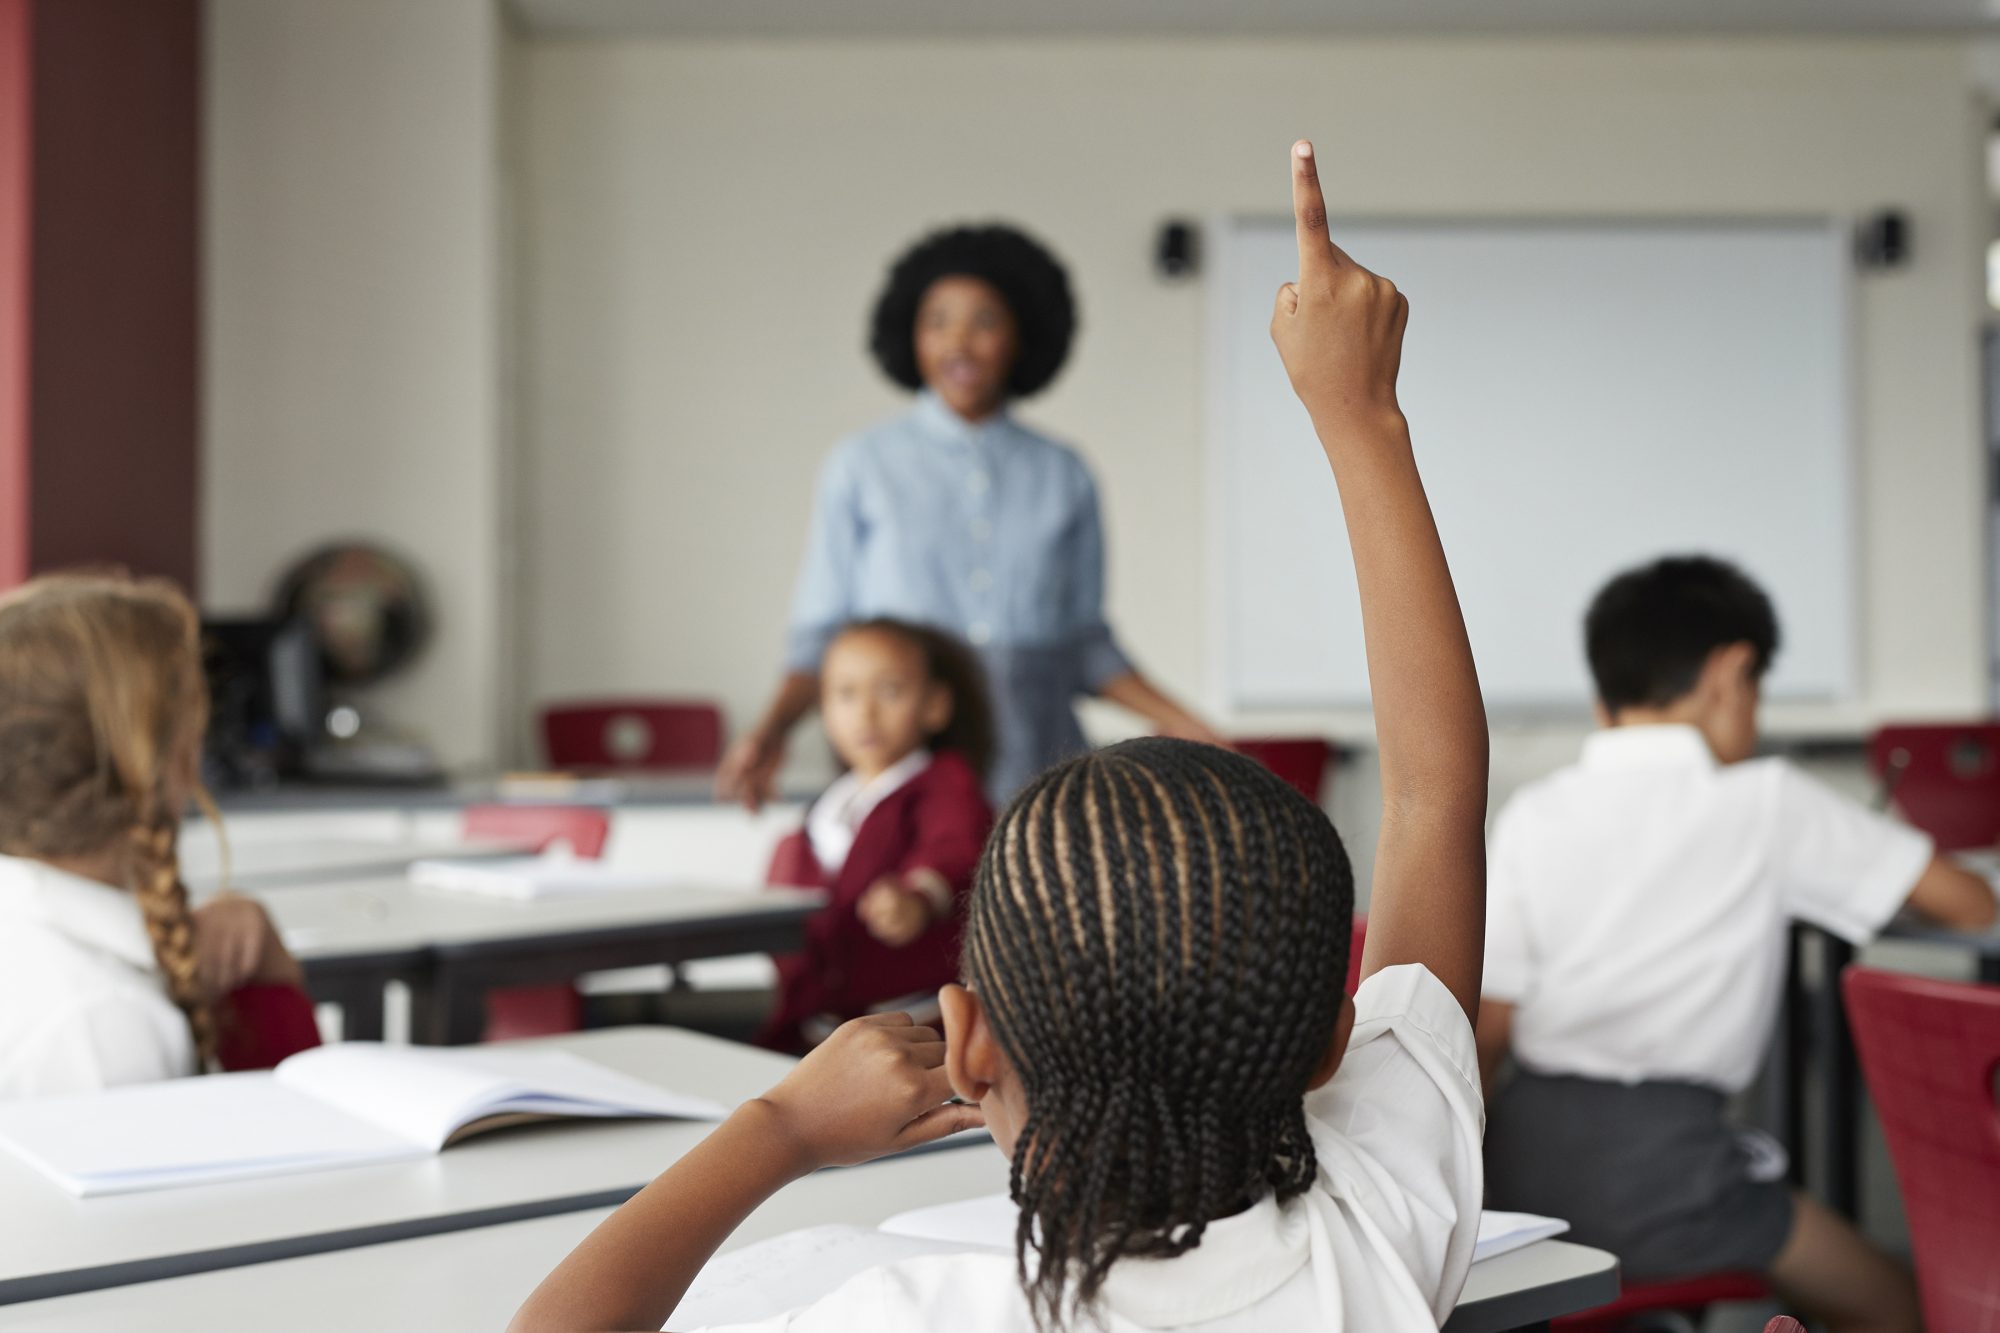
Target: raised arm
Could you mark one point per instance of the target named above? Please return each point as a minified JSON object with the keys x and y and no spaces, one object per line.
{"x":1340,"y":332}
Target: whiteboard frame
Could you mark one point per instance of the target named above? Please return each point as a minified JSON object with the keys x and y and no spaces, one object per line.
{"x":1222,"y":230}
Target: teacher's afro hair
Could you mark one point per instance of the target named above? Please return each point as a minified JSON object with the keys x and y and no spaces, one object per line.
{"x":1029,"y":279}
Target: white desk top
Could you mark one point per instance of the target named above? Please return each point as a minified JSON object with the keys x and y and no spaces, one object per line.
{"x":389,"y":915}
{"x":475,"y":1280}
{"x":281,"y":862}
{"x":492,"y":1178}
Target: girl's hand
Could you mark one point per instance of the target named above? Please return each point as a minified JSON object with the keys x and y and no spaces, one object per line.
{"x":893,"y":914}
{"x":1339,"y":328}
{"x":876,"y":1086}
{"x":236,"y":944}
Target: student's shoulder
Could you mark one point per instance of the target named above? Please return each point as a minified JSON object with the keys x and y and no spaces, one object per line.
{"x":968,"y":1293}
{"x":948,"y":773}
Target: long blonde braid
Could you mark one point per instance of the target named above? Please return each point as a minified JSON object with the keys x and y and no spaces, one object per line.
{"x":102,"y":708}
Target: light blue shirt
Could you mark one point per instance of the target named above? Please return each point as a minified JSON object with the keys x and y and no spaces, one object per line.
{"x":990,"y":531}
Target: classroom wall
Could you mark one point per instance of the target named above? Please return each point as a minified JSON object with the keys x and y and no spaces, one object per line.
{"x":704,"y":224}
{"x":352,"y":322}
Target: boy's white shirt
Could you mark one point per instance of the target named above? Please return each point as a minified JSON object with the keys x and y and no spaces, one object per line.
{"x":1638,"y":904}
{"x":837,"y":816}
{"x":83,"y":1004}
{"x":1381,"y":1243}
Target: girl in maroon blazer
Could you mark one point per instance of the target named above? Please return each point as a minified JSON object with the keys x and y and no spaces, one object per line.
{"x":894,"y":840}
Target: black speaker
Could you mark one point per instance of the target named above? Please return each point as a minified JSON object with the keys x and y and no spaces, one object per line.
{"x":1882,"y":240}
{"x":1177,"y":253}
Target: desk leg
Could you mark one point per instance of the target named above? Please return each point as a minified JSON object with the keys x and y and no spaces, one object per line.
{"x":361,"y":1013}
{"x":446,"y":1011}
{"x":1841,"y":1165}
{"x":1788,"y":1098}
{"x":1989,"y":969}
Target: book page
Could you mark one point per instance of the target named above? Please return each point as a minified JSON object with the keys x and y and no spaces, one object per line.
{"x":187,"y":1131}
{"x":793,"y":1270}
{"x":425,"y":1094}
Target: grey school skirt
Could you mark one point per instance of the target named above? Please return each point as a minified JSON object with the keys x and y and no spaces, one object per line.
{"x":1652,"y":1172}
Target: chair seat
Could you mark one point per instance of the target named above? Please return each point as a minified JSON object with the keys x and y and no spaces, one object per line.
{"x":1690,"y":1293}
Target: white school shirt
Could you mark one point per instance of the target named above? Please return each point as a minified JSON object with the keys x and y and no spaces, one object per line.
{"x":1379,"y":1244}
{"x":83,"y":1005}
{"x":845,"y":805}
{"x":1637,"y":904}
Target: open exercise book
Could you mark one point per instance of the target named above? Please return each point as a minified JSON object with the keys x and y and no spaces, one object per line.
{"x":786,"y":1272}
{"x":351,"y":1104}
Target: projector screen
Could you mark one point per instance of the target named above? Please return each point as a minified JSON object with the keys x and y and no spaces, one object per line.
{"x":1583,"y":396}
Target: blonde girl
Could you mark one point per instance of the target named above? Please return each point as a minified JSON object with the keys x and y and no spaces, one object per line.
{"x":107,"y":975}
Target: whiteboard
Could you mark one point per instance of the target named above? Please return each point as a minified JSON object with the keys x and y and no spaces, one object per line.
{"x":1583,"y":397}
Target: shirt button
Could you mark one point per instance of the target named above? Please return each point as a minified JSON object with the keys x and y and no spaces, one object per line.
{"x":979,"y":632}
{"x":982,"y":530}
{"x":978,"y":482}
{"x":981,"y":580}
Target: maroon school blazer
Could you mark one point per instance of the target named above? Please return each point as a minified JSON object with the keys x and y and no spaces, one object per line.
{"x":936,"y":821}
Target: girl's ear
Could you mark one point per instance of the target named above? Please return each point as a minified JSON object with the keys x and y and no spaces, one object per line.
{"x":937,"y":709}
{"x":971,"y":1055}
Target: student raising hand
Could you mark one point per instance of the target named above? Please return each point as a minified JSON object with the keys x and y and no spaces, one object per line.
{"x":1339,"y":328}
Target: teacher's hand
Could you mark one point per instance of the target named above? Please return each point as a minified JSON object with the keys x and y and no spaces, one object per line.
{"x":749,"y":771}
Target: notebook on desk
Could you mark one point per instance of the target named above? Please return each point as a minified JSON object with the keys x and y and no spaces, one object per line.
{"x":352,"y":1104}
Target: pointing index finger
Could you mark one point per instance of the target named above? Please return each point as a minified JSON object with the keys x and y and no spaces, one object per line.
{"x":1318,"y":255}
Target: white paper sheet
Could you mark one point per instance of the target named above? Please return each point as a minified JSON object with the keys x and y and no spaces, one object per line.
{"x":532,"y":878}
{"x":793,"y":1270}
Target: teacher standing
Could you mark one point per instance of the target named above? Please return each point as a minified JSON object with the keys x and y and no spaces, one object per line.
{"x":955,"y":514}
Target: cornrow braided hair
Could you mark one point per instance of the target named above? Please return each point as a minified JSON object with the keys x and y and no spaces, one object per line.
{"x":1159,"y":935}
{"x":102,"y":709}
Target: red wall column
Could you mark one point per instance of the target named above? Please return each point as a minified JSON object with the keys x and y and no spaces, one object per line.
{"x":111,"y":285}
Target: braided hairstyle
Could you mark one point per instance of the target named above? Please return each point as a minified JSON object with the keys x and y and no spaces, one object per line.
{"x":1159,"y":934}
{"x":102,"y":709}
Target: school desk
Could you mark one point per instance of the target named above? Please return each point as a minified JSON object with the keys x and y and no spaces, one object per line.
{"x":1817,"y":1014}
{"x":52,"y":1244}
{"x":451,"y":948}
{"x":473,"y":1281}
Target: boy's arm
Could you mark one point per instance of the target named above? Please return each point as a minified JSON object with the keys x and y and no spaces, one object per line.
{"x":1951,"y":895}
{"x":1340,"y":332}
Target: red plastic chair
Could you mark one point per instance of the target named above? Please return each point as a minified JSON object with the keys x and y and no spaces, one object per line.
{"x":1689,"y":1297}
{"x":1929,"y":1050}
{"x":1945,"y":779}
{"x":1301,"y":761}
{"x":537,"y":1011}
{"x":538,"y":827}
{"x":257,"y":1026}
{"x":632,"y":735}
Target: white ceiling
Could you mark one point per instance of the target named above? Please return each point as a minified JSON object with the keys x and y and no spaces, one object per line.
{"x":877,"y":18}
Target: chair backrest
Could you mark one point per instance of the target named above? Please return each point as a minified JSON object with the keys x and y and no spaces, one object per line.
{"x":585,"y":828}
{"x":257,"y":1026}
{"x":1302,"y":761}
{"x":1944,"y":777}
{"x":632,"y":734}
{"x":1929,"y":1050}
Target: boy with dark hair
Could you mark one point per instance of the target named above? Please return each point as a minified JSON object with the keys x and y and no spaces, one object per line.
{"x":1638,"y":903}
